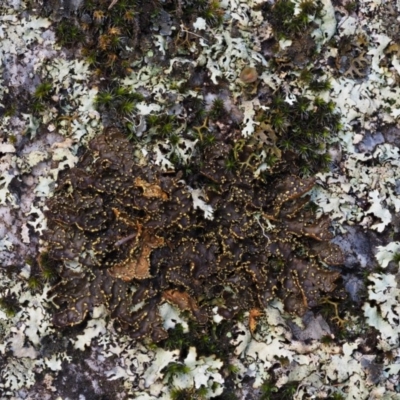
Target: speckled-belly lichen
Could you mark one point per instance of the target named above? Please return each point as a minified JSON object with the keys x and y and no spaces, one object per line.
{"x":128,"y":236}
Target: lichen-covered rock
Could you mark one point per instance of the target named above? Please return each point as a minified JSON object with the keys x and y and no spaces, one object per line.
{"x":129,"y":236}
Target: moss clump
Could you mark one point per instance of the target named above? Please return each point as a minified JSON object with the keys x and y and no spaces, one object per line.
{"x":189,"y":393}
{"x":9,"y":305}
{"x":34,"y":283}
{"x":68,"y":34}
{"x":114,"y":37}
{"x":41,"y":97}
{"x":43,"y":91}
{"x":267,"y":390}
{"x":297,"y":133}
{"x":286,"y":23}
{"x":119,"y":103}
{"x":48,"y":269}
{"x":174,"y":369}
{"x":217,"y":110}
{"x":210,"y":339}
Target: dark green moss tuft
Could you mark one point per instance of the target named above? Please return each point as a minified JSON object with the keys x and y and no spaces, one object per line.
{"x":285,"y":22}
{"x":396,"y":257}
{"x":9,"y":305}
{"x":43,"y":91}
{"x":34,"y":283}
{"x":210,"y":339}
{"x":189,"y":393}
{"x":213,"y":13}
{"x":267,"y":390}
{"x":336,"y":396}
{"x":217,"y":109}
{"x":302,"y":130}
{"x":105,"y":98}
{"x":181,"y":394}
{"x":231,"y":163}
{"x":69,"y":34}
{"x":174,"y":369}
{"x":287,"y":391}
{"x":120,"y":103}
{"x":320,"y":85}
{"x":47,"y":267}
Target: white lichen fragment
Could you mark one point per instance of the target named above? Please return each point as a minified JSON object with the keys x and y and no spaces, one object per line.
{"x":199,"y":202}
{"x":386,"y":254}
{"x":171,"y":317}
{"x":384,"y":293}
{"x":95,"y":327}
{"x":162,"y":359}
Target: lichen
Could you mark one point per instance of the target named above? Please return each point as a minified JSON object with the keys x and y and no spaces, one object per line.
{"x":128,"y":236}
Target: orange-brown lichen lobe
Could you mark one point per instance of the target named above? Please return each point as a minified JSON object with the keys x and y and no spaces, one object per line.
{"x":150,"y":190}
{"x":254,"y":313}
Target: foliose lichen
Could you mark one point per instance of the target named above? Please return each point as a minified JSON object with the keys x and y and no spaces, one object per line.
{"x":131,"y":236}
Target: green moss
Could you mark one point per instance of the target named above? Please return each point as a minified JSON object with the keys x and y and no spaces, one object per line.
{"x":310,"y":7}
{"x":189,"y":393}
{"x":231,"y":163}
{"x":287,"y":391}
{"x":267,"y":390}
{"x":9,"y":305}
{"x":210,"y":339}
{"x":113,"y":39}
{"x":327,"y":339}
{"x":174,"y":369}
{"x":43,"y":91}
{"x":271,"y":160}
{"x":41,"y":95}
{"x":47,"y":268}
{"x":302,"y":128}
{"x":126,"y":107}
{"x":177,"y":339}
{"x":34,"y":283}
{"x":174,"y":139}
{"x":302,"y":106}
{"x":208,"y":139}
{"x":217,"y":109}
{"x":196,"y":107}
{"x":119,"y":102}
{"x":12,"y":139}
{"x":336,"y":396}
{"x":165,"y":126}
{"x":213,"y":14}
{"x":202,"y":392}
{"x":68,"y":34}
{"x":396,"y":257}
{"x":279,"y":121}
{"x":180,"y":394}
{"x":306,"y":76}
{"x":105,"y":98}
{"x":232,"y":369}
{"x":320,"y":86}
{"x":10,"y":110}
{"x":282,"y":16}
{"x":284,"y":21}
{"x":37,"y":107}
{"x":214,"y":387}
{"x":351,"y":6}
